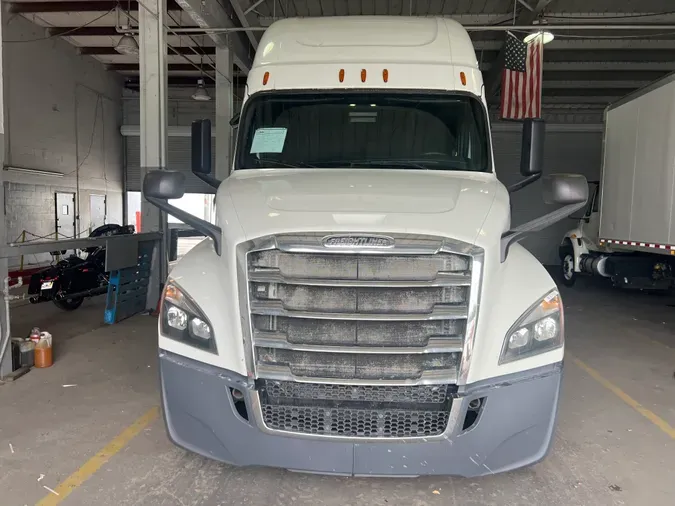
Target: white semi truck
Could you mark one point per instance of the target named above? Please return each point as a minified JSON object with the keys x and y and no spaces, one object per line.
{"x":362,"y":305}
{"x":627,"y":232}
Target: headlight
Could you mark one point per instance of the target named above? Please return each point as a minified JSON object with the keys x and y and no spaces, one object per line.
{"x":183,"y":321}
{"x":538,"y":330}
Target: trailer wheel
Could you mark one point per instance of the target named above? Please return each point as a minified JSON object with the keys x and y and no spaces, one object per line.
{"x":568,"y":274}
{"x":69,"y":304}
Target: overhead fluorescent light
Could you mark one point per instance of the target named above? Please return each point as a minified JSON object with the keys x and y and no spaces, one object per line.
{"x":35,"y":172}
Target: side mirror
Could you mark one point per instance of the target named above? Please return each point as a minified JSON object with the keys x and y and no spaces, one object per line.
{"x":164,"y":184}
{"x":531,"y":153}
{"x":569,"y":190}
{"x":201,"y":152}
{"x":161,"y":185}
{"x":532,"y":148}
{"x":565,"y":189}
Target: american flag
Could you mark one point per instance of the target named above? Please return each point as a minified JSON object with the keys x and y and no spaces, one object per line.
{"x":521,"y":78}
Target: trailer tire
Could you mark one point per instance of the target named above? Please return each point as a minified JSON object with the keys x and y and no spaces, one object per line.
{"x":69,"y":304}
{"x":567,"y":273}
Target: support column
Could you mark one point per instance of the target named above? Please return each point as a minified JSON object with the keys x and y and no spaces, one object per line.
{"x":153,"y":105}
{"x":224,"y":91}
{"x":6,"y":364}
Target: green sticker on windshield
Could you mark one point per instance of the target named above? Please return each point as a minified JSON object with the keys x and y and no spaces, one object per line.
{"x":268,"y":140}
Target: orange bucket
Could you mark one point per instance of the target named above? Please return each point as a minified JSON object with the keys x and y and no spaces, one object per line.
{"x":43,"y":357}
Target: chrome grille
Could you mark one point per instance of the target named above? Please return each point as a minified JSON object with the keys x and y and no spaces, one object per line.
{"x":339,"y":320}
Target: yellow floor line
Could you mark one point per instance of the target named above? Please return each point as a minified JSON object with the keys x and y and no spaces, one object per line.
{"x":649,"y":415}
{"x":65,"y":488}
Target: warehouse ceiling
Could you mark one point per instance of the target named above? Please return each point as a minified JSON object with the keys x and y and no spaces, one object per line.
{"x":583,"y":68}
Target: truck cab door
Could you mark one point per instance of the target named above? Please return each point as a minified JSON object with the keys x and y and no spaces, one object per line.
{"x":590,"y":223}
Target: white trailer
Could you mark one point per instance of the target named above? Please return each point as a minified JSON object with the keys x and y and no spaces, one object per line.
{"x":628,"y":230}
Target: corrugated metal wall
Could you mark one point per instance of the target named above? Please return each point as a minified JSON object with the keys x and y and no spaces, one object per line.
{"x":178,"y":158}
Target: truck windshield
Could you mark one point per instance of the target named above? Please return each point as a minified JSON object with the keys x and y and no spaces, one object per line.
{"x":364,"y":130}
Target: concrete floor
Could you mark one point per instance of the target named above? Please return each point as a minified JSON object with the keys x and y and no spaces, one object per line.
{"x":605,"y":451}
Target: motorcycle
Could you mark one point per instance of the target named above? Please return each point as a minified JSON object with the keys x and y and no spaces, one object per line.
{"x":71,"y":280}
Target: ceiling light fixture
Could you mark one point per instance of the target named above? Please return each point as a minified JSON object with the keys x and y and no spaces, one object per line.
{"x":127,"y":45}
{"x":547,"y":37}
{"x":200,"y":94}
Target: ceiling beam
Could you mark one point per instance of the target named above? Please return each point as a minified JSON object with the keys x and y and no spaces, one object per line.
{"x":87,"y":31}
{"x":213,"y":15}
{"x":596,"y":85}
{"x":602,"y":76}
{"x":173,"y":67}
{"x":607,"y":75}
{"x":241,"y":15}
{"x":75,"y":6}
{"x":583,"y":92}
{"x":110,"y":51}
{"x":132,"y":82}
{"x":602,"y":66}
{"x":625,"y":55}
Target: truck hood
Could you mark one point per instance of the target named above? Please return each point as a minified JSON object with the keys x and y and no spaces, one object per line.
{"x":272,"y":201}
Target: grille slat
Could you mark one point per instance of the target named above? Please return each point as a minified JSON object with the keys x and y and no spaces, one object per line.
{"x":276,"y":308}
{"x":434,"y":345}
{"x":357,"y":366}
{"x":443,"y":279}
{"x":362,"y":333}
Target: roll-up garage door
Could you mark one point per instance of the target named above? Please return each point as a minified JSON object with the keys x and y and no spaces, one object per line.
{"x":178,"y":158}
{"x":565,"y":151}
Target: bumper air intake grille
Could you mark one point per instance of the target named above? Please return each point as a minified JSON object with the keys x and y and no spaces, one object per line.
{"x":355,"y":411}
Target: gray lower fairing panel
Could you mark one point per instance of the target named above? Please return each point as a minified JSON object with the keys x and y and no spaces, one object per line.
{"x":514,"y":429}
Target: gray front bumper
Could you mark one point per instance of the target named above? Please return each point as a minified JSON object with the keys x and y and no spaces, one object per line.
{"x":515,"y":428}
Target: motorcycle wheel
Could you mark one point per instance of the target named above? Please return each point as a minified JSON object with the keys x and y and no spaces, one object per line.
{"x":69,"y":304}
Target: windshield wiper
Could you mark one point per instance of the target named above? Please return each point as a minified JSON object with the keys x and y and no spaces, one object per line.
{"x":299,"y":165}
{"x":403,"y":164}
{"x":394,"y":164}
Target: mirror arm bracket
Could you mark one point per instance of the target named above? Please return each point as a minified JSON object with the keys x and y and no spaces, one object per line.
{"x":524,"y":182}
{"x":208,"y":179}
{"x":198,"y":224}
{"x":520,"y":232}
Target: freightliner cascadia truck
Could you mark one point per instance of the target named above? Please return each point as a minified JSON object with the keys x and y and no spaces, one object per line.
{"x":361,"y":305}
